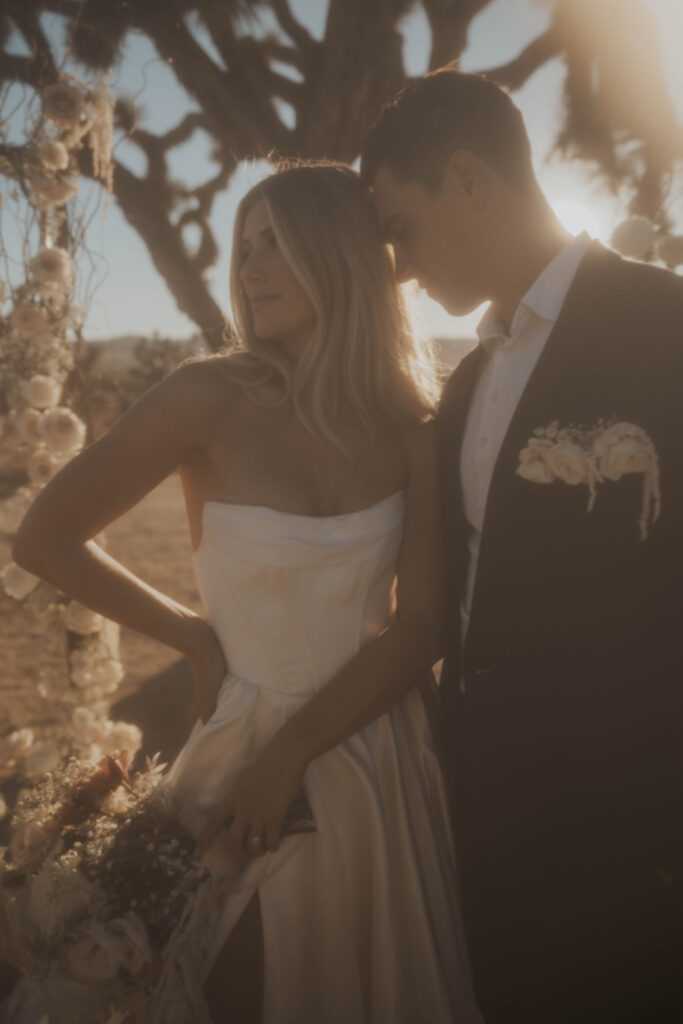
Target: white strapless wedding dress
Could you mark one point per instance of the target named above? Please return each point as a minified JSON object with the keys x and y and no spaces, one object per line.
{"x":360,"y":919}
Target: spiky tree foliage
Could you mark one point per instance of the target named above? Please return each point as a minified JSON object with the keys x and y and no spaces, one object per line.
{"x":617,"y":112}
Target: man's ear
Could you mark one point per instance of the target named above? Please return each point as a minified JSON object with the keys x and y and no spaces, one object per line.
{"x":468,"y":175}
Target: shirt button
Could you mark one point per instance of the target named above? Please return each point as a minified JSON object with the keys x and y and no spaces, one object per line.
{"x":483,"y":441}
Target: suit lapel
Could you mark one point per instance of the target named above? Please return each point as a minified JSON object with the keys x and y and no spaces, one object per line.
{"x":578,"y":326}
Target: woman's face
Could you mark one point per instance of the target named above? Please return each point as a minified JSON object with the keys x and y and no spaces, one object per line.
{"x":281,"y":309}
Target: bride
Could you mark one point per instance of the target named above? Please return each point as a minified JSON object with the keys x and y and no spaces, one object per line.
{"x":307,"y":458}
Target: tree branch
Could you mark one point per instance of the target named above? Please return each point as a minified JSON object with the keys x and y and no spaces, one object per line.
{"x":293,"y":28}
{"x":535,"y":55}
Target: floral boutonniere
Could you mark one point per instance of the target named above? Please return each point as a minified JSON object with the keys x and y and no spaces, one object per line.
{"x":590,"y":456}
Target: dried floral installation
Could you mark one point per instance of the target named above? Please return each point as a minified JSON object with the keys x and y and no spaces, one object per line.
{"x":40,"y":327}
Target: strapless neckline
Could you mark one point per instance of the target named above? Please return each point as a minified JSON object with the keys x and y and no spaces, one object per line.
{"x":267,"y":511}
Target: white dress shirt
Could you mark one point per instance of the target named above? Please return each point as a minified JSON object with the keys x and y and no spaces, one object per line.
{"x":510,"y":361}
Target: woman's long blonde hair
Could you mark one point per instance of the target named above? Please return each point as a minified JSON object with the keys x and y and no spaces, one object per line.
{"x":363,"y":355}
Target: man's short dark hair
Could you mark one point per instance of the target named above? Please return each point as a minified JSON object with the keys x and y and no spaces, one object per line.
{"x":439,"y":113}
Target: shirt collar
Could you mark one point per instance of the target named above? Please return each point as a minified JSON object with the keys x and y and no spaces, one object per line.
{"x":544,"y":298}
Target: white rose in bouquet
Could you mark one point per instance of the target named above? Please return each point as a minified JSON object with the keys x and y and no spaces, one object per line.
{"x":133,"y":941}
{"x":27,"y":426}
{"x":59,"y":894}
{"x":101,"y":950}
{"x":28,"y":319}
{"x":52,"y":267}
{"x":63,"y":104}
{"x":62,"y":431}
{"x":41,"y":391}
{"x":54,"y":155}
{"x":41,"y":467}
{"x":79,"y":619}
{"x":16,"y":582}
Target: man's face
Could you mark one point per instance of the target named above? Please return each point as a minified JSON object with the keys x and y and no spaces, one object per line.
{"x":434,"y":236}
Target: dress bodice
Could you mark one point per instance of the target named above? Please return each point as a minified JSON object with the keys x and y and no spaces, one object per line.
{"x":293,"y":597}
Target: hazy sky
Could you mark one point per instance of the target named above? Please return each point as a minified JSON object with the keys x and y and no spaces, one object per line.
{"x":133,"y":298}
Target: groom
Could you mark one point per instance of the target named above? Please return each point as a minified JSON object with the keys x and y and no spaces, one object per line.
{"x":561,"y":440}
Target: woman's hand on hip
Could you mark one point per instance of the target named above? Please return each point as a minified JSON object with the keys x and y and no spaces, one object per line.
{"x":255,"y":807}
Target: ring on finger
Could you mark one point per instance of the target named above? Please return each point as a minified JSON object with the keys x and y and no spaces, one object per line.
{"x":255,"y":844}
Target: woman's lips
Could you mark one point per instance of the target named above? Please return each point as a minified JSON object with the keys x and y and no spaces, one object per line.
{"x":261,"y":300}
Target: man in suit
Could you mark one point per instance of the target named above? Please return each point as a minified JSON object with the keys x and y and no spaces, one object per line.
{"x":561,"y":438}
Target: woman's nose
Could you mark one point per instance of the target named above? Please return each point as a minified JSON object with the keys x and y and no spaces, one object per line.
{"x":252,"y":268}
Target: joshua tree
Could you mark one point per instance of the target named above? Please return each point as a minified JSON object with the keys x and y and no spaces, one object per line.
{"x":617,"y":112}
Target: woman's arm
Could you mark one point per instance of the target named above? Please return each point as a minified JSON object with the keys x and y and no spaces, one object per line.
{"x":99,"y":485}
{"x":368,"y":685}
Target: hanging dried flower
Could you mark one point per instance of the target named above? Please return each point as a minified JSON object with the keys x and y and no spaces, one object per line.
{"x":63,"y":104}
{"x":16,"y":582}
{"x":62,"y":431}
{"x":101,"y":132}
{"x":28,"y":319}
{"x":41,"y":392}
{"x":41,"y":467}
{"x":52,"y":267}
{"x":79,"y":619}
{"x":54,"y":156}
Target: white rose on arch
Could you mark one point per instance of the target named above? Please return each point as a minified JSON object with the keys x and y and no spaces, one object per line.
{"x":52,"y":267}
{"x":63,"y":104}
{"x":54,"y":156}
{"x":16,"y":582}
{"x":79,"y":619}
{"x":53,"y":191}
{"x":62,"y":431}
{"x":27,"y":426}
{"x":28,"y":319}
{"x":41,"y":391}
{"x":41,"y":467}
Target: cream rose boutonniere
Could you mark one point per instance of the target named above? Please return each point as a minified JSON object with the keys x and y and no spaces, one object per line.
{"x":606,"y":452}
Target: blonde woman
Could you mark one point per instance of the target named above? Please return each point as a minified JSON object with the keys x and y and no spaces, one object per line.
{"x":308,"y":465}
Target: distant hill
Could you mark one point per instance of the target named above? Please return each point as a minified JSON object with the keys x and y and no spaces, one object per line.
{"x":118,"y":353}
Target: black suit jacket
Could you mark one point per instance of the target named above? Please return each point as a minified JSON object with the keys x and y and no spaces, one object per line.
{"x":572,"y":664}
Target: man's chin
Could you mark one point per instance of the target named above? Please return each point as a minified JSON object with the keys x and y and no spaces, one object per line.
{"x":457,"y":306}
